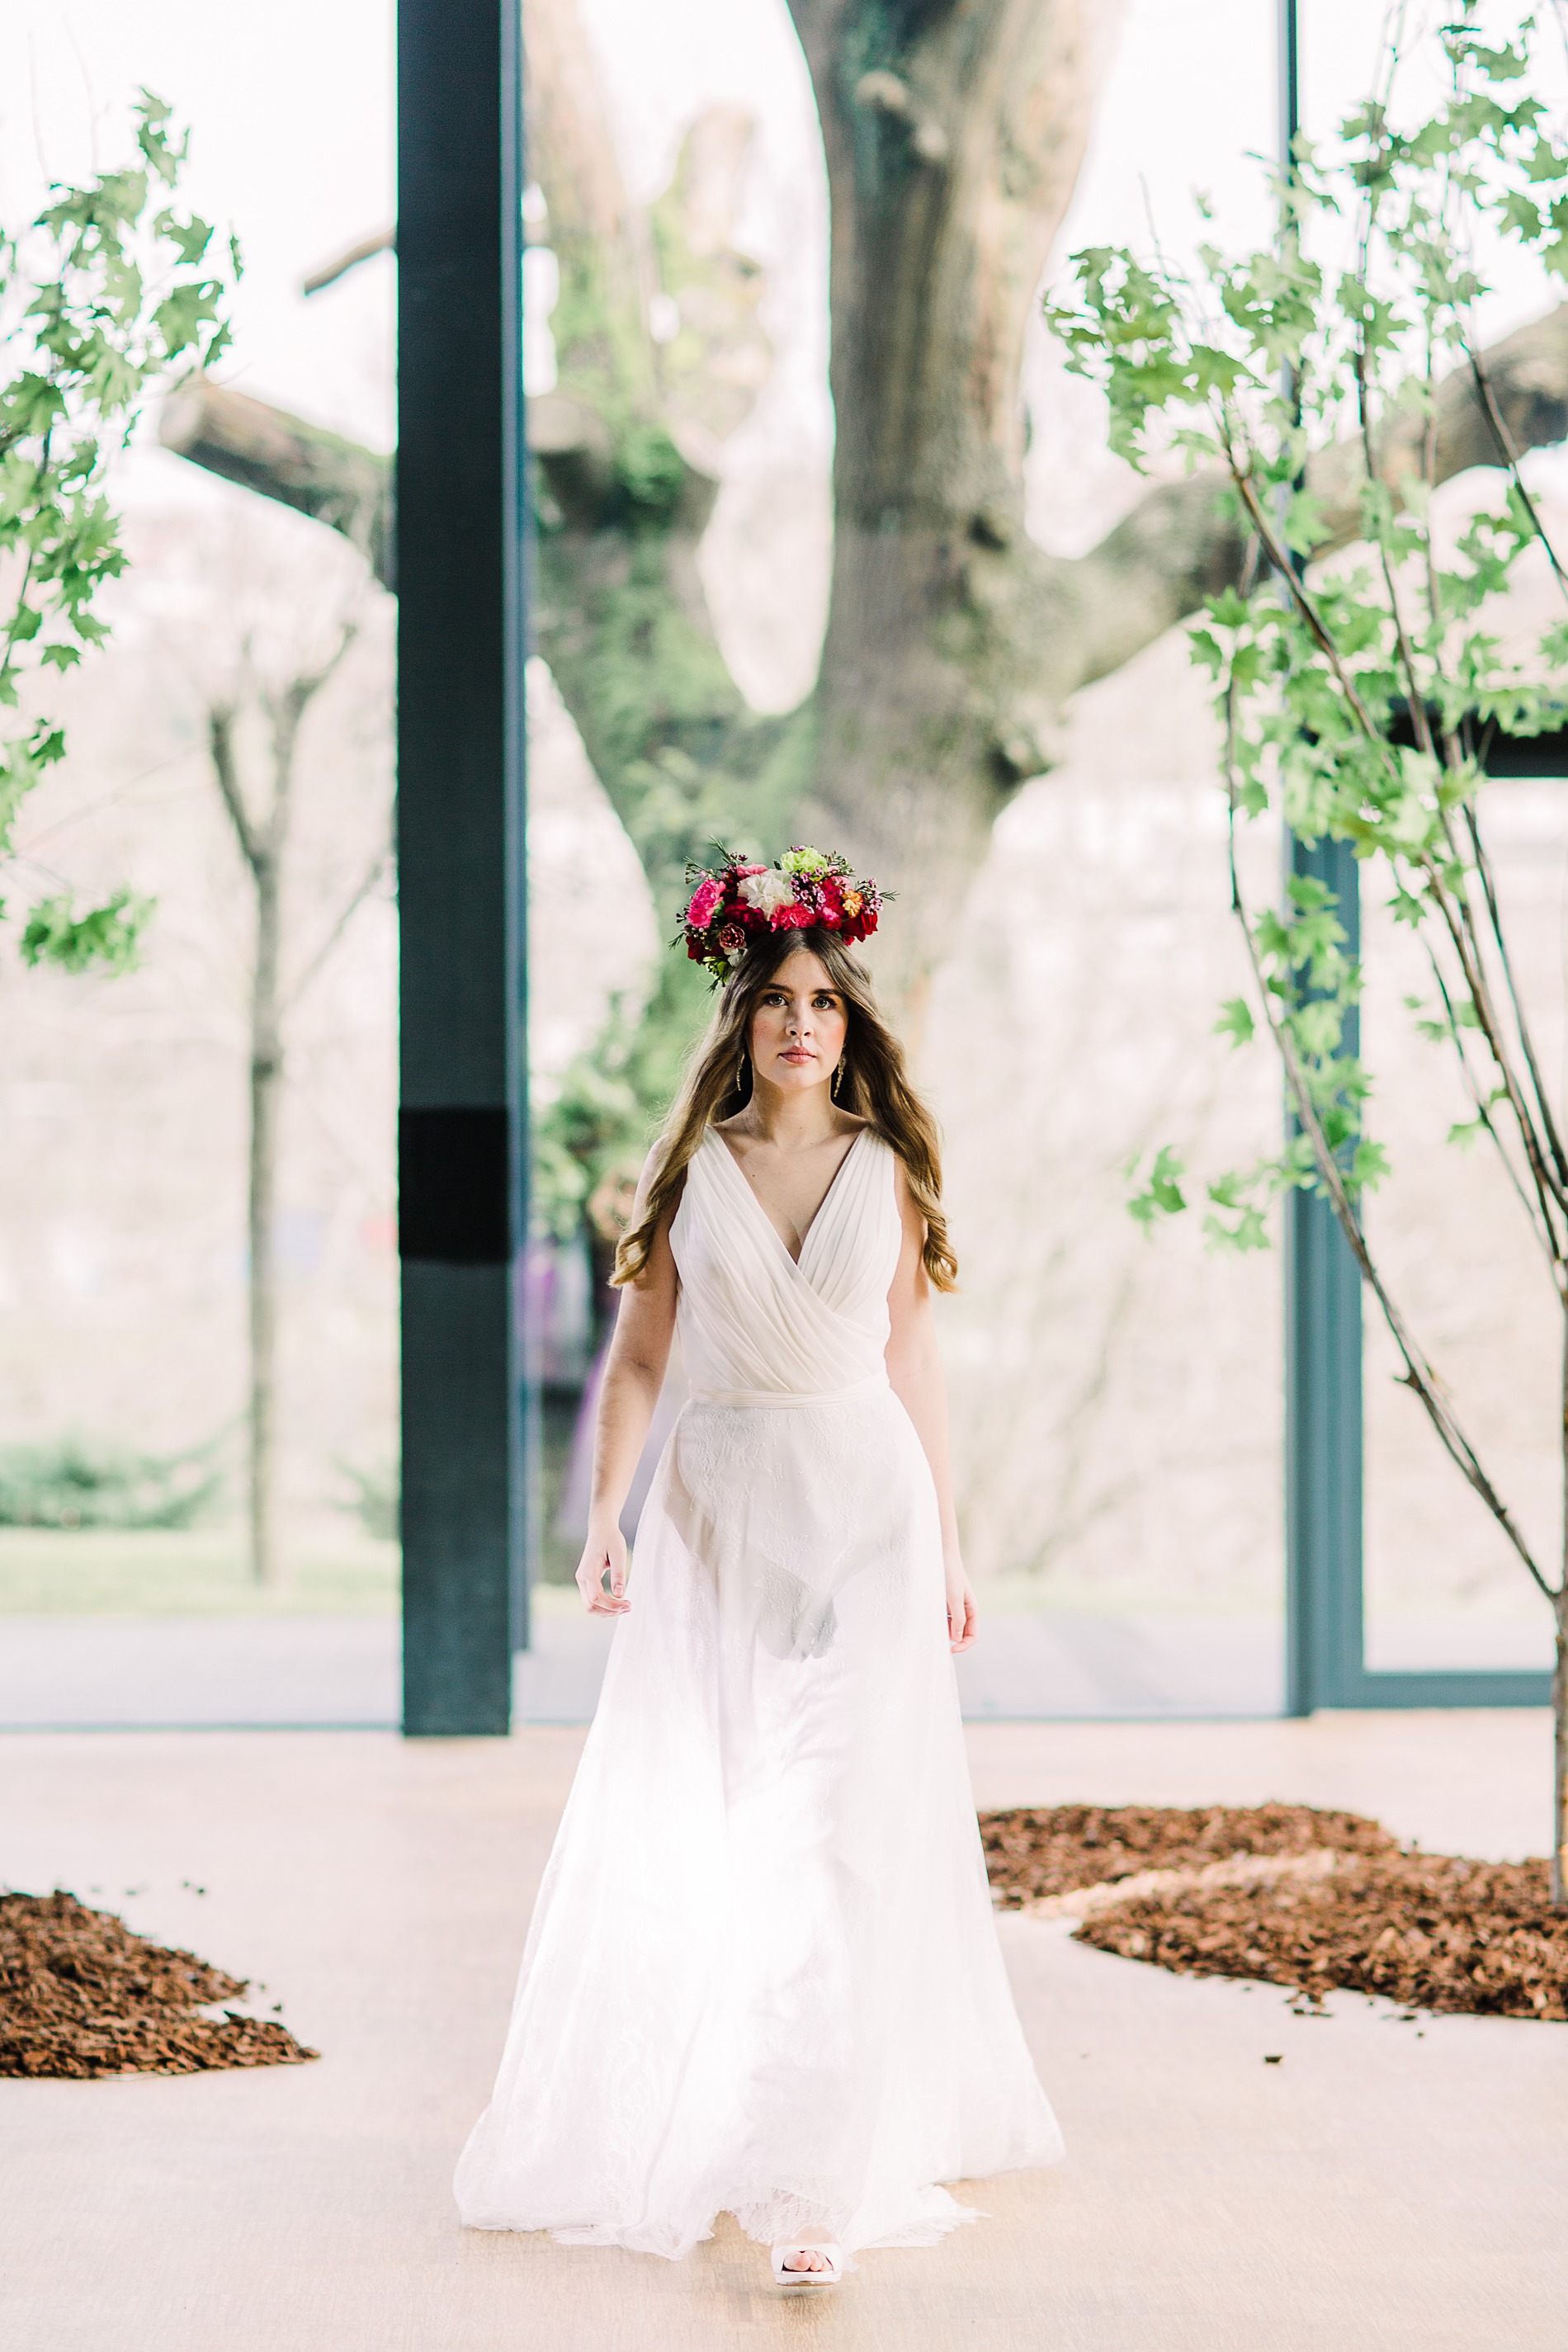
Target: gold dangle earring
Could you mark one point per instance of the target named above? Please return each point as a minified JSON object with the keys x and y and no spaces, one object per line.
{"x":741,"y":1089}
{"x":833,"y":1086}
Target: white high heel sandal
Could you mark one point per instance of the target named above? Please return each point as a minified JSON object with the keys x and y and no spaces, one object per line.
{"x":807,"y":2282}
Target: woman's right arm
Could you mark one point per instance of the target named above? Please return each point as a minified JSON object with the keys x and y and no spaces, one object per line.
{"x":633,"y":1375}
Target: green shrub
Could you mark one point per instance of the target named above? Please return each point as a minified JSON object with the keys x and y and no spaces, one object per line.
{"x":84,"y":1482}
{"x":378,"y":1499}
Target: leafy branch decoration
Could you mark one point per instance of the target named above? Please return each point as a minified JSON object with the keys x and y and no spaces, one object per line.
{"x":111,"y":291}
{"x":1246,"y":366}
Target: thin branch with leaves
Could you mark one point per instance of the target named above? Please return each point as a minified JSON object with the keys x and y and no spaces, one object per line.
{"x":109,"y":292}
{"x":1356,"y":696}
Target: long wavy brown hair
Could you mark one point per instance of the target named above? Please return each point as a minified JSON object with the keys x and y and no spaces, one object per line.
{"x":874,"y":1086}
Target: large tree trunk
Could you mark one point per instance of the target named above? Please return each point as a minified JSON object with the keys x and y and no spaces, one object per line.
{"x":953,"y":134}
{"x":627,"y":446}
{"x":953,"y":131}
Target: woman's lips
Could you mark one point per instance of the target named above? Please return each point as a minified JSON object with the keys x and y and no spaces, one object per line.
{"x":796,"y":1053}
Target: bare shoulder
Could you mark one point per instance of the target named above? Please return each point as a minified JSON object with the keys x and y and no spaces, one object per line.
{"x":659,"y":1153}
{"x":910,"y":1213}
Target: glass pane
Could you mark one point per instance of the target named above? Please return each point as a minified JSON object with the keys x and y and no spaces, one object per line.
{"x":1116,"y":1400}
{"x":1444,"y":1587}
{"x":1117,"y":1395}
{"x":124,"y":1580}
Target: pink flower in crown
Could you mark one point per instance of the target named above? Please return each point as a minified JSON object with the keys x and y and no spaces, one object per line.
{"x":705,"y":900}
{"x":794,"y":917}
{"x":832,"y":898}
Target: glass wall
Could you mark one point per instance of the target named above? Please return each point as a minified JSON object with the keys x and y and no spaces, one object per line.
{"x":1117,"y":1395}
{"x":125,"y":1585}
{"x":1443,"y":1588}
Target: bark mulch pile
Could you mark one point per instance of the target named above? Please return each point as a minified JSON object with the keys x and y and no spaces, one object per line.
{"x":1035,"y":1853}
{"x":80,"y":1995}
{"x":1334,"y":1902}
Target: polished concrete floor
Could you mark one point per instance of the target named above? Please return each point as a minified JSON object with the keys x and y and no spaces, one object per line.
{"x":1389,"y":2184}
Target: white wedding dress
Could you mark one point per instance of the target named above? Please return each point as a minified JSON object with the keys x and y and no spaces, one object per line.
{"x":763,"y":1975}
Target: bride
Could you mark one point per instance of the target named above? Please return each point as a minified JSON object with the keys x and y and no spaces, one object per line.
{"x":762,"y":1976}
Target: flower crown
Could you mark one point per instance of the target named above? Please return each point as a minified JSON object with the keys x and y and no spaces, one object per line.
{"x":735,"y":903}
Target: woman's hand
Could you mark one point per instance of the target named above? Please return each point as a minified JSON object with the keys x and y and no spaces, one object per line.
{"x":963,"y":1617}
{"x":603,"y":1554}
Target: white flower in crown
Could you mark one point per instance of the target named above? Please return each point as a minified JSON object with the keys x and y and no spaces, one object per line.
{"x":769,"y":890}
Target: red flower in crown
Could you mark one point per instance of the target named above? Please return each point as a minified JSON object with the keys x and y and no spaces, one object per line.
{"x":705,"y":903}
{"x":733,"y":902}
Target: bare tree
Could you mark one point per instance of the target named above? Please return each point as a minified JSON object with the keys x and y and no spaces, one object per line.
{"x":261,"y":816}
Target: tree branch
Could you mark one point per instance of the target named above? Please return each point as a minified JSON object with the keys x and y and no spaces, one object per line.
{"x":383,"y":240}
{"x":1057,"y":623}
{"x":320,"y":473}
{"x":600,"y":238}
{"x":1183,"y":542}
{"x":1418,"y":1372}
{"x":285,"y":711}
{"x":346,"y":914}
{"x":712,"y":356}
{"x":220,"y":742}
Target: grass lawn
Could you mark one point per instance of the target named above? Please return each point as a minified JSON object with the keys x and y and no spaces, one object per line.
{"x":102,"y":1572}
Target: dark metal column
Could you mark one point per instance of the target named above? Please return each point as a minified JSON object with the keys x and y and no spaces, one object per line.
{"x":1323,"y":1398}
{"x":1322,"y":1302}
{"x":462,"y":1138}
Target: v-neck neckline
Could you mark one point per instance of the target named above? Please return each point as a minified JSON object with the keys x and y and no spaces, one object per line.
{"x":815,"y":1215}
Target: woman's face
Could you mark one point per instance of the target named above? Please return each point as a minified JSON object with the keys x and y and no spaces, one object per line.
{"x":798,"y":1026}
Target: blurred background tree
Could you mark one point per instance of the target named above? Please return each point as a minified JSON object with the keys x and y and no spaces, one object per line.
{"x":276,"y":707}
{"x":953,"y":135}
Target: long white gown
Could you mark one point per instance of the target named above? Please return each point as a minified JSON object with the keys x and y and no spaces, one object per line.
{"x":763,"y":1975}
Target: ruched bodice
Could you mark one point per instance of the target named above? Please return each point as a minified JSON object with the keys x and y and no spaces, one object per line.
{"x":756,"y":1325}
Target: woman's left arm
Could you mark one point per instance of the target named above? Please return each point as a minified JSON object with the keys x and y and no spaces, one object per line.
{"x":914,"y":1368}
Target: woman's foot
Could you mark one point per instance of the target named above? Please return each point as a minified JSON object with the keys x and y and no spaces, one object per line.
{"x":804,"y":2266}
